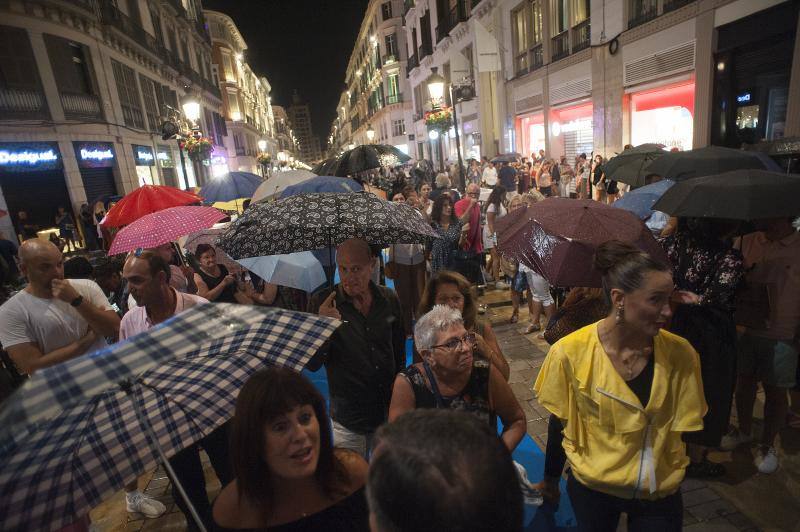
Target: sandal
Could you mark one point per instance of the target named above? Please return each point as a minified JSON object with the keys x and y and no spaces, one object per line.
{"x":532,"y":328}
{"x":514,"y":318}
{"x":705,"y":469}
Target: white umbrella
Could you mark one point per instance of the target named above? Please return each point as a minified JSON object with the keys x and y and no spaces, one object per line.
{"x":298,"y":270}
{"x":280,"y":180}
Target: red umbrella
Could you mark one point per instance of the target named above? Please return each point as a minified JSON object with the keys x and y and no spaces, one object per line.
{"x":146,"y":200}
{"x":558,"y":236}
{"x":164,"y":226}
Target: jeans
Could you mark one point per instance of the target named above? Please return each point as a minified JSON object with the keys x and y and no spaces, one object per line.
{"x":347,"y":439}
{"x":599,"y":512}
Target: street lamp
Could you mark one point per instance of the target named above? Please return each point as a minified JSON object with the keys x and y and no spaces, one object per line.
{"x":370,"y":133}
{"x":191,"y":110}
{"x":262,"y":145}
{"x":436,"y":85}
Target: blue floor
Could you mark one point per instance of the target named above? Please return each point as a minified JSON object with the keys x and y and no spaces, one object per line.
{"x":544,"y":518}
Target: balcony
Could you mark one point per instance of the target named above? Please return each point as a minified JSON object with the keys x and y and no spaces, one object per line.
{"x":22,"y":103}
{"x":641,"y":11}
{"x":389,"y":59}
{"x":412,"y":62}
{"x":560,"y":46}
{"x":115,"y":18}
{"x":442,"y":31}
{"x":521,"y":64}
{"x":536,"y":59}
{"x":581,"y":35}
{"x":81,"y":106}
{"x":394,"y":98}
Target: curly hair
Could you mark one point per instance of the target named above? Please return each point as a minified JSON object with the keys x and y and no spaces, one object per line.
{"x":438,"y":204}
{"x":470,"y":312}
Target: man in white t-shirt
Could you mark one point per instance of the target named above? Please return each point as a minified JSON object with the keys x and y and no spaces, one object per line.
{"x":489,"y":175}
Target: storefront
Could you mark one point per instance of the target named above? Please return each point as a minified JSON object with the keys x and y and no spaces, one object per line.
{"x":32,"y":180}
{"x":530,"y":133}
{"x":663,"y":115}
{"x":167,"y":165}
{"x":96,"y":162}
{"x":145,"y":162}
{"x":571,"y":131}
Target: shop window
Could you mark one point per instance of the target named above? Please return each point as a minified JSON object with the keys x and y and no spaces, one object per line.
{"x":664,"y":116}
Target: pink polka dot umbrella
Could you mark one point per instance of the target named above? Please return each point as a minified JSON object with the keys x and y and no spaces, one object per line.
{"x":164,"y":226}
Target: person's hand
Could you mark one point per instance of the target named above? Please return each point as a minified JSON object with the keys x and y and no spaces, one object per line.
{"x":685,"y":297}
{"x":64,"y":291}
{"x":465,"y":228}
{"x":328,"y":307}
{"x":229,"y":280}
{"x":481,"y":346}
{"x":88,"y":339}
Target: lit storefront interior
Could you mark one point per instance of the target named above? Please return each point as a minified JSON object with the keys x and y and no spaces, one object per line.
{"x":571,"y":131}
{"x":145,"y":165}
{"x":664,"y":115}
{"x":530,"y":133}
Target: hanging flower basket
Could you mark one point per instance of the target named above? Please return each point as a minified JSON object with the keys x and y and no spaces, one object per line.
{"x":199,"y":148}
{"x":264,"y":159}
{"x":439,"y":119}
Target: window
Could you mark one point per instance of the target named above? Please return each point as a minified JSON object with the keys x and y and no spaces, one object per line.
{"x":560,"y":17}
{"x":128,"y":92}
{"x":70,"y":65}
{"x":398,"y":127}
{"x":227,"y":67}
{"x":150,"y":99}
{"x":234,"y":112}
{"x":391,"y":45}
{"x":17,"y":64}
{"x":520,"y":39}
{"x":238,"y":143}
{"x":580,"y":11}
{"x":526,"y":23}
{"x":171,"y":42}
{"x":386,"y":10}
{"x":535,"y":22}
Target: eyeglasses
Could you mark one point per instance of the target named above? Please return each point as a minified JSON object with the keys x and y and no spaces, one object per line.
{"x":475,"y":194}
{"x":468,"y":339}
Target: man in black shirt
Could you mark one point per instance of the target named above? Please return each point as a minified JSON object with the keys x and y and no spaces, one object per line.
{"x":508,"y":178}
{"x":366,"y":351}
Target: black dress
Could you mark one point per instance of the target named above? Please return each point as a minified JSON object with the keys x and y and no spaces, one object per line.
{"x":227,"y":294}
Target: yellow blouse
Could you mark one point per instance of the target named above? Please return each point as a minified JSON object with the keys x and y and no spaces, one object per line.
{"x":613,"y":443}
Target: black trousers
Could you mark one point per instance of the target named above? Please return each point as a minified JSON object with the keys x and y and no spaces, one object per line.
{"x":599,"y":512}
{"x":554,"y":456}
{"x":189,"y":470}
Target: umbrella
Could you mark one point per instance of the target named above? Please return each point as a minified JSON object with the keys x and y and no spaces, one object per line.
{"x":3,"y":213}
{"x":145,"y":200}
{"x":231,"y":186}
{"x":507,"y":157}
{"x":711,"y":160}
{"x":209,"y":236}
{"x":76,"y":432}
{"x":277,"y":183}
{"x":299,"y":270}
{"x":365,"y":157}
{"x":738,"y":195}
{"x":322,"y":184}
{"x":640,"y":201}
{"x":325,"y":167}
{"x":558,"y":236}
{"x":631,"y":166}
{"x":164,"y":226}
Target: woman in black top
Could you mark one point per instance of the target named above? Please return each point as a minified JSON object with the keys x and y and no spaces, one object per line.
{"x":289,"y":477}
{"x":213,"y":280}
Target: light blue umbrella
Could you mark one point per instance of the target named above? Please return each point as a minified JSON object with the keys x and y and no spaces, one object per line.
{"x":231,"y":186}
{"x":299,"y":270}
{"x":640,"y":201}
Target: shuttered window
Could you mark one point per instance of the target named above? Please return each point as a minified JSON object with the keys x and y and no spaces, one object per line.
{"x":17,"y":64}
{"x":128,"y":95}
{"x":151,"y":107}
{"x":71,"y":67}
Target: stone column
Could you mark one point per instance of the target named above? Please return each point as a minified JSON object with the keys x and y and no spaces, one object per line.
{"x":704,"y":78}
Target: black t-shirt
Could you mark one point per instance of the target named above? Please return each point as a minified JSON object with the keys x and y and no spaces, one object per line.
{"x":642,"y":384}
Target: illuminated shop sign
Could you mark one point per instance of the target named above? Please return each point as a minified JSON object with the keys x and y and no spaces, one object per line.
{"x":744,"y":97}
{"x":94,"y":154}
{"x":143,"y":155}
{"x":164,"y":157}
{"x":558,"y":128}
{"x":28,"y":157}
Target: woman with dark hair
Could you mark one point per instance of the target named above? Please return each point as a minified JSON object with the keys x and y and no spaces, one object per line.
{"x":453,"y":289}
{"x":624,"y":390}
{"x":289,"y":477}
{"x":213,"y":280}
{"x":494,"y":209}
{"x":707,"y":271}
{"x":452,"y":233}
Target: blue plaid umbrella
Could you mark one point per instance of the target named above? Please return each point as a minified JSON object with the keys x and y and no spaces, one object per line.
{"x":231,"y":186}
{"x":74,"y":434}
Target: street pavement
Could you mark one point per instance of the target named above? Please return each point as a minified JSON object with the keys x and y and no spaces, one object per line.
{"x":744,"y":500}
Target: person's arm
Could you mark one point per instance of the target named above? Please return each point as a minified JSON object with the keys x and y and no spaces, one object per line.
{"x":266,"y":296}
{"x":398,"y":335}
{"x":462,"y":236}
{"x":403,"y":399}
{"x":104,"y":321}
{"x":28,"y":357}
{"x":188,"y":272}
{"x":503,"y":402}
{"x":490,"y":218}
{"x":211,"y":294}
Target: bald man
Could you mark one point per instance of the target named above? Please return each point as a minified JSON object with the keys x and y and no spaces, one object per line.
{"x":53,"y":319}
{"x":366,"y":351}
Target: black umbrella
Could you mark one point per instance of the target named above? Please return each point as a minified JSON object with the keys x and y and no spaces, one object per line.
{"x":631,"y":166}
{"x":325,"y":167}
{"x":322,"y":220}
{"x":738,"y":195}
{"x":507,"y":157}
{"x":365,"y":157}
{"x":711,"y":160}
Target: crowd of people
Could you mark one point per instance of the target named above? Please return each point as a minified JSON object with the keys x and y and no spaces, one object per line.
{"x":640,"y":379}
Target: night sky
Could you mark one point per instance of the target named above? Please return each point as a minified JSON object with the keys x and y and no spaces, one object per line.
{"x":299,"y":44}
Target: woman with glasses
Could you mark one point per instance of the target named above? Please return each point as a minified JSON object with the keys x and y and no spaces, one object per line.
{"x":449,"y":376}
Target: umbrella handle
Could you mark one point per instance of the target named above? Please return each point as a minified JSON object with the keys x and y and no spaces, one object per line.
{"x":177,"y":249}
{"x":127,"y":387}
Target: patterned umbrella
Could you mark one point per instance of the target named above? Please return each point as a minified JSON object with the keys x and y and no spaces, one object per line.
{"x":231,"y":186}
{"x":145,"y":200}
{"x":77,"y":432}
{"x":164,"y":226}
{"x":507,"y":157}
{"x":316,"y":221}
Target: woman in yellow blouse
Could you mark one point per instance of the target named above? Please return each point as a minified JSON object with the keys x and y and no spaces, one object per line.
{"x":624,"y":390}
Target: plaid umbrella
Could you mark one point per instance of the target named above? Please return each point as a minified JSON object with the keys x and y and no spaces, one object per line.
{"x":73,"y":435}
{"x":145,"y":200}
{"x":711,"y":160}
{"x":164,"y":226}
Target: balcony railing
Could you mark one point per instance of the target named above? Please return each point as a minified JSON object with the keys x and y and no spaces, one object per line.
{"x":389,"y":59}
{"x":641,"y":11}
{"x":394,"y":98}
{"x":580,"y":36}
{"x":521,"y":64}
{"x":425,"y":50}
{"x":413,"y":62}
{"x":672,"y":5}
{"x":442,"y":31}
{"x":560,"y":46}
{"x":22,"y":103}
{"x":536,"y":59}
{"x":81,"y":106}
{"x":119,"y":20}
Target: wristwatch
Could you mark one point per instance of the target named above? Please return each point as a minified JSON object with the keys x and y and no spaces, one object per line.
{"x":77,"y":301}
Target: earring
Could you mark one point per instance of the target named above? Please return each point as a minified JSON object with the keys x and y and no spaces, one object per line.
{"x":620,"y":314}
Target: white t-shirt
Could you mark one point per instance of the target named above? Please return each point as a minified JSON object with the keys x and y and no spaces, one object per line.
{"x":49,"y":323}
{"x":490,"y":176}
{"x":488,"y":238}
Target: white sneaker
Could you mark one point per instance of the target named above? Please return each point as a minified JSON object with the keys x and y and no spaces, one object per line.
{"x":137,"y":502}
{"x":767,"y":461}
{"x":734,"y":439}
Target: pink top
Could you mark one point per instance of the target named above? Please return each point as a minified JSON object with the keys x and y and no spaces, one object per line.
{"x":136,"y":320}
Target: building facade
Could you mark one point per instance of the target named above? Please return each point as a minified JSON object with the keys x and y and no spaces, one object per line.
{"x":376,"y":95}
{"x":84,"y":90}
{"x":299,"y":114}
{"x":284,"y":136}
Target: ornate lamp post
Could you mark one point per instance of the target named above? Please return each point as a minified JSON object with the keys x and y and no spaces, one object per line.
{"x":370,"y":133}
{"x":436,"y":84}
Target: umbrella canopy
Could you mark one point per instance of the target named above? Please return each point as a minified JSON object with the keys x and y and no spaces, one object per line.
{"x":631,"y":166}
{"x":163,"y":226}
{"x":365,"y":157}
{"x":323,"y":184}
{"x":145,"y":200}
{"x":737,"y":195}
{"x":322,"y":220}
{"x":209,"y":236}
{"x":711,"y":160}
{"x":325,"y":167}
{"x":640,"y":201}
{"x":507,"y":157}
{"x":299,"y":270}
{"x":72,"y":435}
{"x":273,"y":186}
{"x":558,"y":236}
{"x":231,"y":186}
